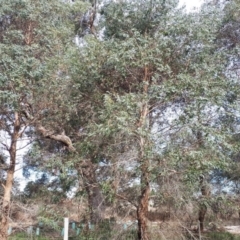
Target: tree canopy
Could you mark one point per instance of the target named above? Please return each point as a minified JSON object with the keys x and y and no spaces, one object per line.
{"x":126,"y":101}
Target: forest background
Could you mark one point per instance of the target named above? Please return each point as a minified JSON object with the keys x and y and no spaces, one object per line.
{"x":130,"y":106}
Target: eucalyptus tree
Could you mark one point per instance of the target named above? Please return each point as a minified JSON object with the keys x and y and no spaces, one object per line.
{"x":152,"y":57}
{"x":34,"y":36}
{"x":229,"y":39}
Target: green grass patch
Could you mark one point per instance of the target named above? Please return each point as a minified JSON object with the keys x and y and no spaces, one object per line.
{"x":24,"y":236}
{"x":221,"y":236}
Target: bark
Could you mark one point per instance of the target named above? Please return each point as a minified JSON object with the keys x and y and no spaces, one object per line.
{"x":142,"y":209}
{"x":203,"y":208}
{"x":57,"y":137}
{"x":205,"y":190}
{"x":201,"y":216}
{"x":9,"y":181}
{"x":95,"y":197}
{"x":50,"y":134}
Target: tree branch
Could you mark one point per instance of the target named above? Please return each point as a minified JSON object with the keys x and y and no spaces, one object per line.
{"x":57,"y":137}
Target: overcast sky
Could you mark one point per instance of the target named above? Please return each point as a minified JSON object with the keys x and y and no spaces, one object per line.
{"x":190,"y":4}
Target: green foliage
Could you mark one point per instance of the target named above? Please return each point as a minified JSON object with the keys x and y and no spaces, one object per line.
{"x":123,"y":18}
{"x":50,"y":217}
{"x":24,"y":236}
{"x":186,"y":72}
{"x":33,"y":46}
{"x":107,"y":190}
{"x":222,"y":236}
{"x":152,"y":56}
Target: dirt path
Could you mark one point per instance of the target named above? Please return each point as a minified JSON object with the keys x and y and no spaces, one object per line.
{"x":233,"y":229}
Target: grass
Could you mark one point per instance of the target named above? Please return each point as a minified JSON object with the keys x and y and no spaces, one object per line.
{"x":128,"y":234}
{"x":24,"y":236}
{"x":221,"y":236}
{"x":88,"y":235}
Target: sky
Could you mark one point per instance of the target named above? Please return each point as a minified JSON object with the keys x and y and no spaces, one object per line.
{"x":190,"y":4}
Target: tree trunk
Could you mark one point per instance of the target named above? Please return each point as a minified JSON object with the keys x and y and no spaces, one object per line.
{"x":142,"y":209}
{"x":201,"y":216}
{"x":202,"y":207}
{"x":9,"y":181}
{"x":95,"y":198}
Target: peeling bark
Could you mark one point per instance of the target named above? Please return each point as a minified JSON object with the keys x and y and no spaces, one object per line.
{"x":142,"y":209}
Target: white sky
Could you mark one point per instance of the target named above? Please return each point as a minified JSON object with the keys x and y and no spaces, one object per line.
{"x":190,"y":4}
